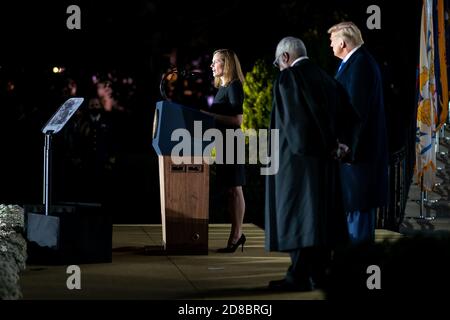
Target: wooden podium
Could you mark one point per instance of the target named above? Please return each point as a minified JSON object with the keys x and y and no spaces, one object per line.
{"x":184,"y":187}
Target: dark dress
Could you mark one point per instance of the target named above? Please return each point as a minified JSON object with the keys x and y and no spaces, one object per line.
{"x":228,"y":101}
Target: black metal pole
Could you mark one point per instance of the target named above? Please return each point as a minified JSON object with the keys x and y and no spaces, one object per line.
{"x":47,"y":172}
{"x":422,"y":198}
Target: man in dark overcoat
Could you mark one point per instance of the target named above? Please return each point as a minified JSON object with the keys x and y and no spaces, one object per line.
{"x":303,"y":211}
{"x":365,"y":180}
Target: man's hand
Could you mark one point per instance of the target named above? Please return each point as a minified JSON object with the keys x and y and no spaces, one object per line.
{"x":341,"y":151}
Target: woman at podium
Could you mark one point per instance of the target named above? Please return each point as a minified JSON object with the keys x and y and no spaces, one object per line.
{"x":227,"y":111}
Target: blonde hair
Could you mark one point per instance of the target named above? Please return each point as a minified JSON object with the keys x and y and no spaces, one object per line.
{"x":231,"y":67}
{"x":349,"y":32}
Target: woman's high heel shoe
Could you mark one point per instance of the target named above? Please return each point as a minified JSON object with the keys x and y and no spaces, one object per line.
{"x":232,"y":247}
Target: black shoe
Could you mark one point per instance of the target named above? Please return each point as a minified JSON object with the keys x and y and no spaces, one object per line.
{"x":232,"y":247}
{"x":283,"y":285}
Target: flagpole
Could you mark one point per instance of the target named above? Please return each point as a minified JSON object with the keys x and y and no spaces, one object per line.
{"x":422,"y":197}
{"x":424,"y":202}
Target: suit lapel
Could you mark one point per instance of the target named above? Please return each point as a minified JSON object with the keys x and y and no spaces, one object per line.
{"x":349,"y":61}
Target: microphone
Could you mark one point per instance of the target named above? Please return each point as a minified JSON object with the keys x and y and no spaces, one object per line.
{"x":181,"y":73}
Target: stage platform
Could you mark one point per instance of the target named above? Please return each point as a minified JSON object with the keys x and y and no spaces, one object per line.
{"x":139,"y":270}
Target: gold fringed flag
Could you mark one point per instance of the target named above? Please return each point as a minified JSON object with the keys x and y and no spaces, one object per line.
{"x":432,"y":89}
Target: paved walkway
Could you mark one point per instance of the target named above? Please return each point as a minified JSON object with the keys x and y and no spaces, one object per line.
{"x":138,"y":272}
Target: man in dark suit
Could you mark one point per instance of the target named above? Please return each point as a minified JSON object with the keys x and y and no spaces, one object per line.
{"x":303,"y":210}
{"x":365,"y":180}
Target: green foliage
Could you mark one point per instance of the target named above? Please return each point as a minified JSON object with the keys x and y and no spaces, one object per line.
{"x":258,"y":96}
{"x":257,"y":107}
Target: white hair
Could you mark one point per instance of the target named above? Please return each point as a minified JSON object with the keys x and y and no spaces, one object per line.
{"x":294,"y":46}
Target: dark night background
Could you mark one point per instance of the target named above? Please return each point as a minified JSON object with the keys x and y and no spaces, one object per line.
{"x":137,"y":39}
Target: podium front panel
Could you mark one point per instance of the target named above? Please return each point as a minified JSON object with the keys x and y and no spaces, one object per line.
{"x":184,"y":206}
